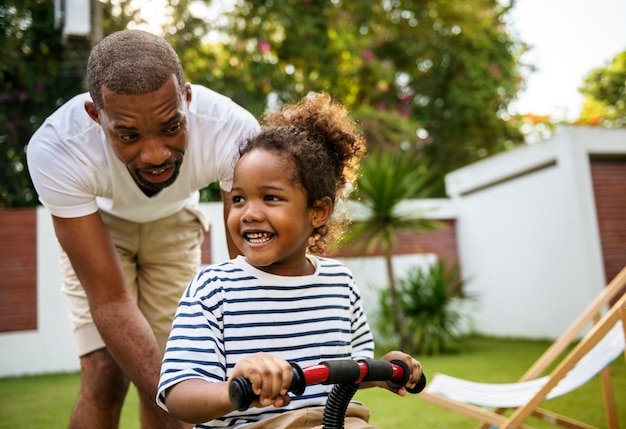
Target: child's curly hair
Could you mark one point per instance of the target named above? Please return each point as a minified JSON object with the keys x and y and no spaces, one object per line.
{"x":325,"y":144}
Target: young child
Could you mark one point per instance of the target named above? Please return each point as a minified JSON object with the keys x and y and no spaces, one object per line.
{"x":281,"y":301}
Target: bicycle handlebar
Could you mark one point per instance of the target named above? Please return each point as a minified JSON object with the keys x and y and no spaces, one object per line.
{"x":345,"y":371}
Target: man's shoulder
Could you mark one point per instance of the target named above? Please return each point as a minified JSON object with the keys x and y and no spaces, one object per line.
{"x":203,"y":98}
{"x":206,"y":102}
{"x":205,"y":91}
{"x":76,"y":103}
{"x":71,"y":118}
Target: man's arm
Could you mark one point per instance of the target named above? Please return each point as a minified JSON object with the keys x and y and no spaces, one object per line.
{"x":123,"y":328}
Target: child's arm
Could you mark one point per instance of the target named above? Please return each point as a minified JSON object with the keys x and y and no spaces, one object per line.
{"x":197,"y":400}
{"x":416,"y":373}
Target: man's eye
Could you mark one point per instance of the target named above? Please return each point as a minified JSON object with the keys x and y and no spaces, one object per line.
{"x":128,"y":137}
{"x":174,"y":129}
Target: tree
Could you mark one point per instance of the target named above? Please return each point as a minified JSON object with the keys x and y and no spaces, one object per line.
{"x":387,"y":178}
{"x":463,"y":84}
{"x":448,"y":66}
{"x":605,"y":94}
{"x":41,"y":70}
{"x":37,"y":74}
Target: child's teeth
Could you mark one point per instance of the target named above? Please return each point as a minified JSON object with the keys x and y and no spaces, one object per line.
{"x":258,"y":236}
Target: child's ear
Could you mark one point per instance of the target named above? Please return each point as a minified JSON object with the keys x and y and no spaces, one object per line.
{"x":321,"y":212}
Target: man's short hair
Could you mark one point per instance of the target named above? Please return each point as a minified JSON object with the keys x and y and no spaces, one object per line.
{"x":131,"y":62}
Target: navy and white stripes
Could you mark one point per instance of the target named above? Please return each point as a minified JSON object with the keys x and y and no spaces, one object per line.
{"x":232,"y":310}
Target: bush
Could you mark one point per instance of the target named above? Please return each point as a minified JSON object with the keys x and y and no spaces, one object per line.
{"x":431,"y":299}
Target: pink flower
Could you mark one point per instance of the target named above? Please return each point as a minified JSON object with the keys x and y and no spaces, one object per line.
{"x":367,"y":55}
{"x":23,"y":96}
{"x":264,"y":46}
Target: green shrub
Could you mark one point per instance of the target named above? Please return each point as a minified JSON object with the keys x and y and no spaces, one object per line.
{"x":431,"y":300}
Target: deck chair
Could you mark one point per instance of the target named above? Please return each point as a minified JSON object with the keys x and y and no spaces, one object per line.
{"x":603,"y":343}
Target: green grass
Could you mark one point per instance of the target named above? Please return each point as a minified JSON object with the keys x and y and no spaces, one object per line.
{"x":490,"y":360}
{"x":46,"y":401}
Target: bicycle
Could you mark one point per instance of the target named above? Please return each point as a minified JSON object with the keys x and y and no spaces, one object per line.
{"x":345,"y":374}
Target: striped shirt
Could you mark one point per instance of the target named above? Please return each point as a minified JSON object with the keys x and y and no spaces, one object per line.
{"x":232,"y":310}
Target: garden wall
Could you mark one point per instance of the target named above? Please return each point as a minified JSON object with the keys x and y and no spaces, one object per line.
{"x":537,"y":231}
{"x":35,"y":334}
{"x":18,"y":265}
{"x":541,"y":229}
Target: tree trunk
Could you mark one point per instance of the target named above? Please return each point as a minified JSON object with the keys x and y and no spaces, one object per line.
{"x":396,"y":307}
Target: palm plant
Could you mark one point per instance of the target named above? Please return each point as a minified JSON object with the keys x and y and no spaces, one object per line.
{"x":387,"y":178}
{"x":430,"y":297}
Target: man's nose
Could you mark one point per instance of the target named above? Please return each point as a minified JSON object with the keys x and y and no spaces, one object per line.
{"x":154,"y":151}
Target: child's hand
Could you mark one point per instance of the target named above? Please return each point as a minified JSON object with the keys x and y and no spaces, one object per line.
{"x":270,"y":377}
{"x":414,"y":366}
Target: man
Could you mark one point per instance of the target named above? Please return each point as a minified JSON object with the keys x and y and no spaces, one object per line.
{"x":119,"y":169}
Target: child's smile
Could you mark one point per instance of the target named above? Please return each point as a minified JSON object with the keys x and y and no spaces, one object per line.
{"x":258,"y":237}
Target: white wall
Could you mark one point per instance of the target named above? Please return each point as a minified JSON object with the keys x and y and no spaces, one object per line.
{"x":51,"y":348}
{"x":527,"y":232}
{"x":528,"y":245}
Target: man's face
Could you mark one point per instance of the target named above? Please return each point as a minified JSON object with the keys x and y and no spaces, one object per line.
{"x":147,"y":132}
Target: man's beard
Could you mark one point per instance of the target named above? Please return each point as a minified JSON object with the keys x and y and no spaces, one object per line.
{"x":154,"y":188}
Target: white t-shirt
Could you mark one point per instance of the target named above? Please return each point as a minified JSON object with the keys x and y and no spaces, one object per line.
{"x":76,"y":173}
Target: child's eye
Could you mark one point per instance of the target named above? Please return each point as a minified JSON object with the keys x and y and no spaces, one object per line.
{"x":271,"y":198}
{"x":237,"y":199}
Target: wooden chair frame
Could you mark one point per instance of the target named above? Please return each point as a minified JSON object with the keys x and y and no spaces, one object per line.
{"x":600,"y":326}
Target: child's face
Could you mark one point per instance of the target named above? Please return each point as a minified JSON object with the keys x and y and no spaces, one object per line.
{"x":269,"y":220}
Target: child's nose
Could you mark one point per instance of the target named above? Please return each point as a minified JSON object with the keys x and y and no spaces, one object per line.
{"x":252,"y":213}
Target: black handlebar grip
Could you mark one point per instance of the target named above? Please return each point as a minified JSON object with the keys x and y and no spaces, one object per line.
{"x":298,"y":380}
{"x":241,"y":394}
{"x":396,"y":384}
{"x":378,"y":369}
{"x":419,"y":386}
{"x":345,"y":371}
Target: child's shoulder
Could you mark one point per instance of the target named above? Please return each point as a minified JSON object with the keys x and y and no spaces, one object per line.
{"x":331,"y":264}
{"x":210,"y":279}
{"x":325,"y":260}
{"x":218,"y":271}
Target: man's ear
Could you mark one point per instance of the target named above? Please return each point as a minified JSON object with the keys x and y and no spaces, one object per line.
{"x":321,"y":212}
{"x":91,"y":110}
{"x":188,"y":93}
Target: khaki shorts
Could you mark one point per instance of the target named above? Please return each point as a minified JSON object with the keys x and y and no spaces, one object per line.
{"x":159,"y":259}
{"x":357,"y":417}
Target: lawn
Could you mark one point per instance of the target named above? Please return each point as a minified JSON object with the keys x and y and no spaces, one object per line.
{"x":46,"y":401}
